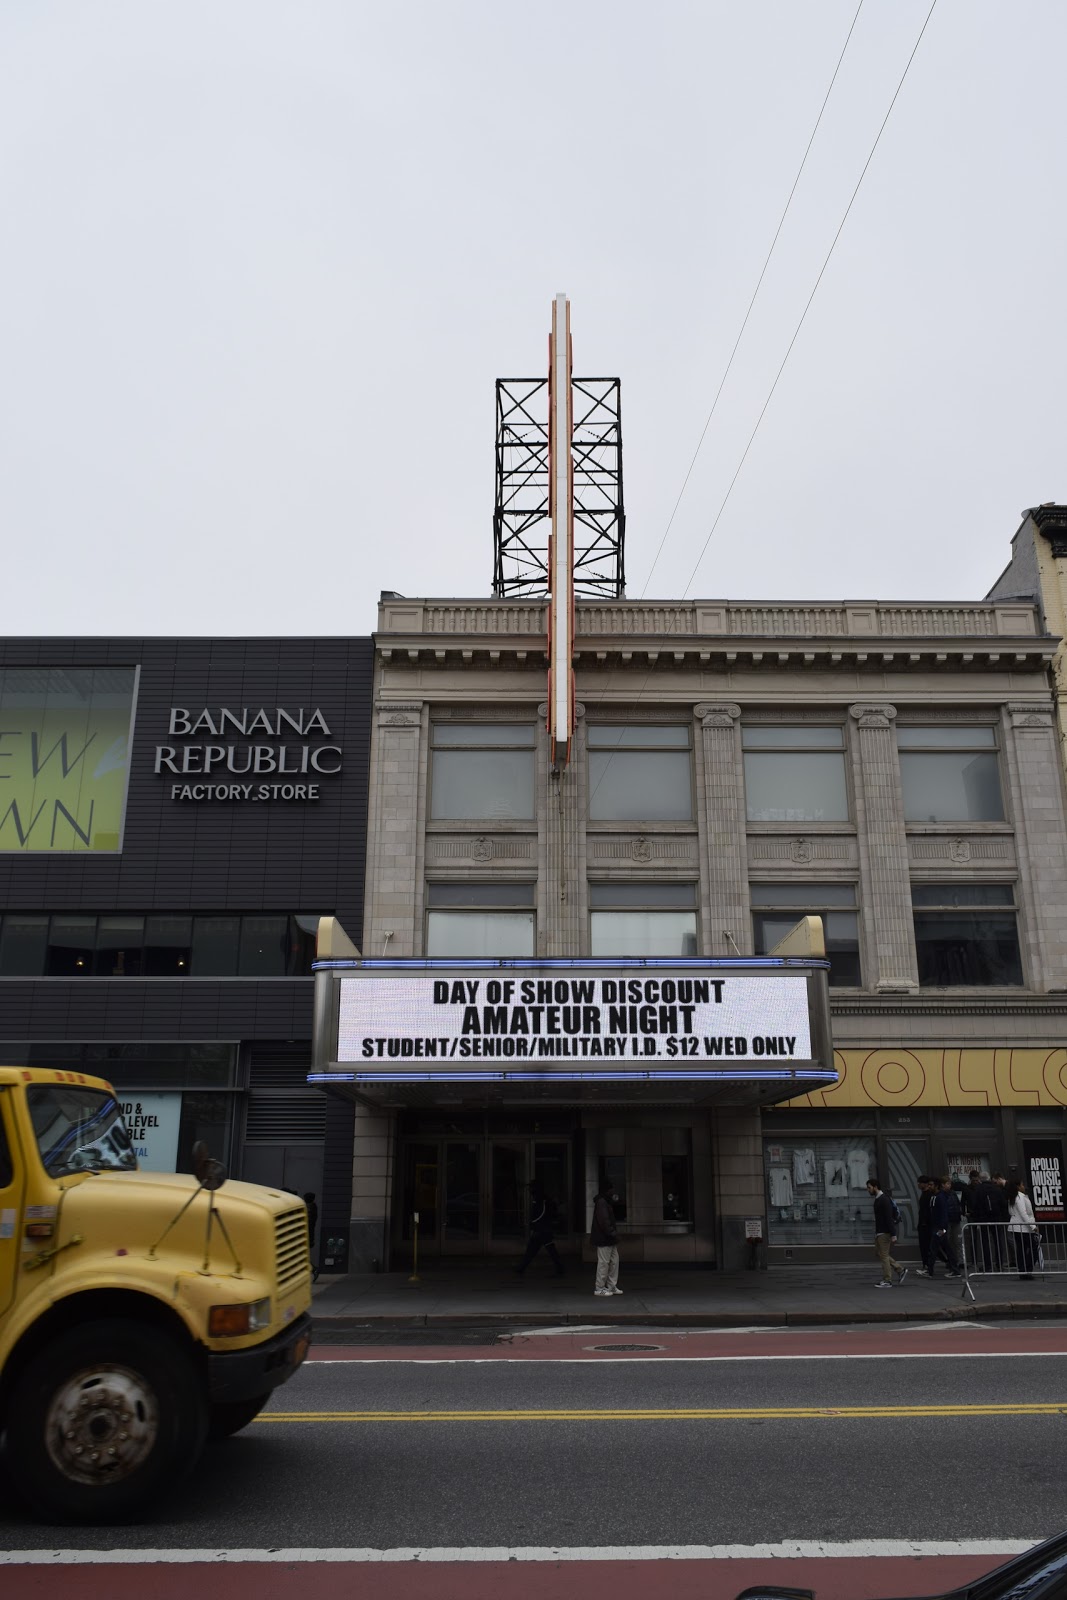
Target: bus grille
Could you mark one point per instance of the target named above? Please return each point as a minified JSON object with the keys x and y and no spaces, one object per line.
{"x":291,"y":1246}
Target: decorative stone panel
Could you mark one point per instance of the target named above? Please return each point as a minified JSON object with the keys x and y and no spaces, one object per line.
{"x":802,"y":852}
{"x":480,"y":849}
{"x":960,"y":851}
{"x":643,"y":849}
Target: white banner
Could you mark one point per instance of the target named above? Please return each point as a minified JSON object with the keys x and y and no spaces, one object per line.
{"x":678,"y":1019}
{"x":152,"y":1121}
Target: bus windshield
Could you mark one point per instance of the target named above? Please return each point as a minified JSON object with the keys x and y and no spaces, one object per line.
{"x":79,"y":1130}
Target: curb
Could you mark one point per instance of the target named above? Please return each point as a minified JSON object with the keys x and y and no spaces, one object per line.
{"x":1001,"y":1310}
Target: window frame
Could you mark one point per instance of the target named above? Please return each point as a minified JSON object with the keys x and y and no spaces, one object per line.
{"x":640,"y":903}
{"x":799,"y":748}
{"x":813,"y":906}
{"x":994,"y":747}
{"x":518,"y":906}
{"x":526,"y":745}
{"x":974,"y":911}
{"x":643,"y":749}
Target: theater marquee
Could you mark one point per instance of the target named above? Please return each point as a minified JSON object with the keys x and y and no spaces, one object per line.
{"x":522,"y":1021}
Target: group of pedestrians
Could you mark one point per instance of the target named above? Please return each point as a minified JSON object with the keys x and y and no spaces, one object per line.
{"x":997,"y":1208}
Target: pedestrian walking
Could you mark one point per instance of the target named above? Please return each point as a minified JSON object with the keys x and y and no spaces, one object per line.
{"x":604,"y":1236}
{"x":1022,"y":1227}
{"x":924,"y":1225}
{"x":885,"y":1235}
{"x":947,"y":1226}
{"x":542,"y":1229}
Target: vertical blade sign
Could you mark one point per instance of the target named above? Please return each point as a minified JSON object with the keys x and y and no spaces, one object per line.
{"x":561,"y":554}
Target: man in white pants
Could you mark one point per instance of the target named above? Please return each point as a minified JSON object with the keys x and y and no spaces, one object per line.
{"x":603,"y":1236}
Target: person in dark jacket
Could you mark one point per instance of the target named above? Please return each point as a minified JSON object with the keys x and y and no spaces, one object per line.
{"x":604,"y":1236}
{"x":542,"y":1222}
{"x":885,"y":1235}
{"x":992,"y":1207}
{"x":924,"y":1225}
{"x":947,"y":1217}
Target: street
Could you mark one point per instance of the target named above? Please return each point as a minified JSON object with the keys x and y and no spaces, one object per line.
{"x":863,"y":1440}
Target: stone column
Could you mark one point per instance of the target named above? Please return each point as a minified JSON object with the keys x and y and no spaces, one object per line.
{"x":392,"y":922}
{"x":723,"y":837}
{"x":883,"y":843}
{"x":562,"y":916}
{"x":739,"y":1186}
{"x":373,"y":1148}
{"x":1037,"y":803}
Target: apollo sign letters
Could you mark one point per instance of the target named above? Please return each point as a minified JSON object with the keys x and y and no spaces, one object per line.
{"x":280,"y":754}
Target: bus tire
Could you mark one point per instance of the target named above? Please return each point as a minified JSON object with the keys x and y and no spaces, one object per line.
{"x":102,"y":1418}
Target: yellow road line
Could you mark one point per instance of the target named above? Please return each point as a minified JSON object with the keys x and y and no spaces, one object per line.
{"x":703,"y":1414}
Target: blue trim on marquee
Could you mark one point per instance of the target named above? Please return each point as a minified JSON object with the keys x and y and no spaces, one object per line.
{"x":644,"y":1076}
{"x":563,"y":964}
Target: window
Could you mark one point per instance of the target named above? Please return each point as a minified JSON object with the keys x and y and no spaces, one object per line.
{"x":965,"y":934}
{"x":816,"y":1188}
{"x":157,"y":946}
{"x":23,"y":946}
{"x":71,"y":947}
{"x":640,"y":774}
{"x":264,"y":947}
{"x":482,"y":771}
{"x":119,"y":947}
{"x":642,"y":919}
{"x":676,"y":1188}
{"x":950,"y":774}
{"x":788,"y":902}
{"x":168,"y":946}
{"x":794,"y":774}
{"x":480,"y":919}
{"x":216,"y":941}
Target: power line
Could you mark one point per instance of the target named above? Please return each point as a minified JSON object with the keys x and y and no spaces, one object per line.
{"x":792,"y":342}
{"x":811,"y":297}
{"x":752,"y":302}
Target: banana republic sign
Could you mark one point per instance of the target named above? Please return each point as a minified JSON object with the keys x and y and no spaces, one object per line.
{"x":280,"y":755}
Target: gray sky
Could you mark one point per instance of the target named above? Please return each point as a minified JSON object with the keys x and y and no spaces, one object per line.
{"x":262,"y":262}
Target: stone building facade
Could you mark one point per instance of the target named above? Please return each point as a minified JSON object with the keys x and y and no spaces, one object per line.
{"x":891,"y":767}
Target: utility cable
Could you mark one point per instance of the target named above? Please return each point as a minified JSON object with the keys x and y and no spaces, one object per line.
{"x":752,"y":302}
{"x":789,"y":350}
{"x":807,"y":306}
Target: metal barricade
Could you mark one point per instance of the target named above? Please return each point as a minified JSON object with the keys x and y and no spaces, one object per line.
{"x":995,"y":1250}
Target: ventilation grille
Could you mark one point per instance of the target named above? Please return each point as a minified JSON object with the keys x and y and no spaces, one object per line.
{"x":284,"y":1070}
{"x":291,"y":1247}
{"x":287,"y":1117}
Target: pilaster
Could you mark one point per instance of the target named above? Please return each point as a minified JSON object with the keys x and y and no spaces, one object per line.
{"x":395,"y":830}
{"x":562,"y":901}
{"x":883,"y":851}
{"x":1040,"y":841}
{"x":721,"y":809}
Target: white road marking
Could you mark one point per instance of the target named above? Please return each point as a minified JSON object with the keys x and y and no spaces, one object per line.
{"x":591,"y":1360}
{"x":786,"y":1550}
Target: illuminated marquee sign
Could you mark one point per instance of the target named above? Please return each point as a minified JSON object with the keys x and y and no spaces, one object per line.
{"x":64,"y":757}
{"x":423,"y":1021}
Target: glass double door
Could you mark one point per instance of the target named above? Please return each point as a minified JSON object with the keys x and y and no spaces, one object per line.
{"x":473,"y":1196}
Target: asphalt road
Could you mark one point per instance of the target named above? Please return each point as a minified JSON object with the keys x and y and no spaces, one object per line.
{"x":344,"y":1457}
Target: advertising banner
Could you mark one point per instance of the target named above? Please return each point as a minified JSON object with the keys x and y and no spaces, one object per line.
{"x":153,"y":1121}
{"x":1043,"y":1172}
{"x":64,"y":757}
{"x":608,"y":1018}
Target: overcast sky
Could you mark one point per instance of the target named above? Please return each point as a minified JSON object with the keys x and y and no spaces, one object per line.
{"x":262,"y":262}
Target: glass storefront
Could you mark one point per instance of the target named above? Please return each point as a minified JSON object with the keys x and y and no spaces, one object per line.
{"x":172,"y":1095}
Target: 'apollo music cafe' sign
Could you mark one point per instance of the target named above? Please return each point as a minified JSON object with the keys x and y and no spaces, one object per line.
{"x":760,"y":1026}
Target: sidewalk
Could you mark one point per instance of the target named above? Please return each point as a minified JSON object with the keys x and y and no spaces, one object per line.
{"x":779,"y":1297}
